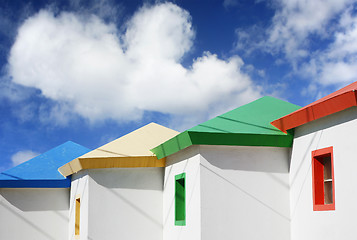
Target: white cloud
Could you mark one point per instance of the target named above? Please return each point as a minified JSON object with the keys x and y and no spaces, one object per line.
{"x":93,"y":69}
{"x":22,"y":156}
{"x":12,"y":91}
{"x":291,"y":28}
{"x":105,"y":9}
{"x":317,"y":38}
{"x":295,"y":20}
{"x":337,"y":64}
{"x":230,"y":3}
{"x":250,"y":39}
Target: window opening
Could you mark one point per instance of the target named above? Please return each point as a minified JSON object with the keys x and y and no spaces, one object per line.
{"x":77,"y":217}
{"x":323,"y":179}
{"x":180,"y":199}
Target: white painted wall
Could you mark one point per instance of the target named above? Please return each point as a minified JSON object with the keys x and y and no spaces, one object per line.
{"x":79,"y":187}
{"x":125,"y":203}
{"x":245,"y":193}
{"x":338,"y":130}
{"x":34,"y":213}
{"x":188,"y":161}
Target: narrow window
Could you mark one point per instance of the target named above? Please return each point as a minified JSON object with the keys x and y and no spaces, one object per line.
{"x":180,"y":200}
{"x":323,"y":180}
{"x":78,"y":217}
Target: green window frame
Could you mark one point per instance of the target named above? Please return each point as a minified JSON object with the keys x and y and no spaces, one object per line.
{"x":180,"y":199}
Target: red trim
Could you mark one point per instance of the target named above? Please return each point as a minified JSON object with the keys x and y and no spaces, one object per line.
{"x":335,"y":102}
{"x":317,"y":180}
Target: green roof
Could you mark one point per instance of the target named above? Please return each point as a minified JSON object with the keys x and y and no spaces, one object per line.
{"x":248,"y":125}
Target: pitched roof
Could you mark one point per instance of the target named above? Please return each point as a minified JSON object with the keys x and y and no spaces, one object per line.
{"x":42,"y":171}
{"x":332,"y":103}
{"x":131,"y":150}
{"x":248,"y":125}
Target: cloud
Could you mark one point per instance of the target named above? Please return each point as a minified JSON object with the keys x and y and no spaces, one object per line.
{"x":295,"y":20}
{"x":250,"y":39}
{"x":317,"y":39}
{"x":108,"y":10}
{"x":230,"y":3}
{"x":22,"y":156}
{"x":292,"y":25}
{"x":337,"y":64}
{"x":101,"y":71}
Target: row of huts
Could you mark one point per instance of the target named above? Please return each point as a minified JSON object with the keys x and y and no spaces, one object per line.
{"x":265,"y":170}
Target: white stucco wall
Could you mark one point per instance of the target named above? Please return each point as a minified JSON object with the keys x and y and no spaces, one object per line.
{"x":245,"y":193}
{"x":186,"y":161}
{"x":125,"y":203}
{"x":34,"y":214}
{"x":338,"y":130}
{"x":80,"y":188}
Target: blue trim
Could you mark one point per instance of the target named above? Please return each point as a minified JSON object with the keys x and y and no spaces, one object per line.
{"x":65,"y":183}
{"x":42,"y":171}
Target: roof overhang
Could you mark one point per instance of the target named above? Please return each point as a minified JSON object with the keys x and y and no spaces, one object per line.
{"x":333,"y":103}
{"x":248,"y":125}
{"x":79,"y":164}
{"x":36,"y":183}
{"x":189,"y":138}
{"x":42,"y":170}
{"x":129,"y":151}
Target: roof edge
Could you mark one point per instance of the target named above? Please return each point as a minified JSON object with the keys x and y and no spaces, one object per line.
{"x":79,"y":164}
{"x":35,"y":183}
{"x":317,"y":110}
{"x":189,"y":138}
{"x":173,"y":145}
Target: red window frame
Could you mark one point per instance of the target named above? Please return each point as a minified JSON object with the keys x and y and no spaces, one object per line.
{"x":318,"y":187}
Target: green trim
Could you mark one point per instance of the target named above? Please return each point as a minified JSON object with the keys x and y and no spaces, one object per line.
{"x":228,"y":139}
{"x":180,"y":223}
{"x":231,"y":139}
{"x":180,"y":199}
{"x":180,"y":176}
{"x":248,"y":125}
{"x":173,"y":145}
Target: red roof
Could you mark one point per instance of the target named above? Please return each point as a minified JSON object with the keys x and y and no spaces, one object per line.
{"x":335,"y":102}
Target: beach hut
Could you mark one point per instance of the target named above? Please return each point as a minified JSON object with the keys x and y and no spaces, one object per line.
{"x":34,"y":196}
{"x":116,"y":189}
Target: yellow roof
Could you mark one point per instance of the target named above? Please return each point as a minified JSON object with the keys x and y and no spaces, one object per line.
{"x":131,"y":150}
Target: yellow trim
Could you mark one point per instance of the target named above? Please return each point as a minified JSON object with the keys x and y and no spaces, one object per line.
{"x":121,"y":162}
{"x":129,"y":151}
{"x":77,"y":218}
{"x":71,"y":167}
{"x":79,"y":164}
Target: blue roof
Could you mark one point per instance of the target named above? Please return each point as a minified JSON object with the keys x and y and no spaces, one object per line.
{"x":42,"y":171}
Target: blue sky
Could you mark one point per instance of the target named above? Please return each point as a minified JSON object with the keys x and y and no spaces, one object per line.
{"x":92,"y":71}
